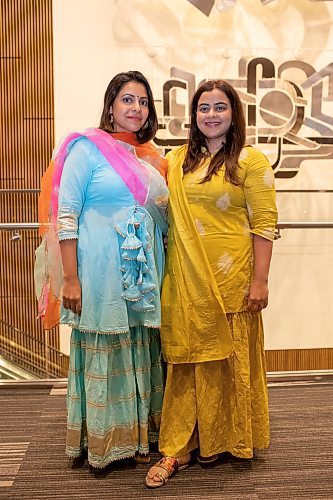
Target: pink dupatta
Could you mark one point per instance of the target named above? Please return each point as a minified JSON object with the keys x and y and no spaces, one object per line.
{"x":134,"y":174}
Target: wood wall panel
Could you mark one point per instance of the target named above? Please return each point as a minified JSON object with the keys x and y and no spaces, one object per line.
{"x":299,"y":359}
{"x":27,"y":136}
{"x":26,"y":91}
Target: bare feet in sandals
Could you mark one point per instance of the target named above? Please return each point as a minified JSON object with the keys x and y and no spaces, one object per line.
{"x":160,"y":473}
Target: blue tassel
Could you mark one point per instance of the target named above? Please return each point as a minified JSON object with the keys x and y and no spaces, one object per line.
{"x":124,"y":267}
{"x":144,"y":268}
{"x":127,"y":280}
{"x":141,"y":256}
{"x":129,"y":255}
{"x":132,"y":294}
{"x":143,"y":305}
{"x":132,"y":242}
{"x":140,"y":278}
{"x":128,"y":273}
{"x":147,"y":287}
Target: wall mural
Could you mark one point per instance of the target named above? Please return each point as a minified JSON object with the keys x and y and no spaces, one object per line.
{"x":286,"y":119}
{"x":276,"y":53}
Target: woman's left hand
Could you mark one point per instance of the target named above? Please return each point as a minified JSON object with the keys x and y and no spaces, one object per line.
{"x":258,"y":295}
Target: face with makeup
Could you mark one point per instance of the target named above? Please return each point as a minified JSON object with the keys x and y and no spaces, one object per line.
{"x":214,"y":117}
{"x":130,"y":108}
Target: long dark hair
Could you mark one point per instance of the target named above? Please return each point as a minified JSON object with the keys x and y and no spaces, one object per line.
{"x":229,"y":152}
{"x":149,"y":129}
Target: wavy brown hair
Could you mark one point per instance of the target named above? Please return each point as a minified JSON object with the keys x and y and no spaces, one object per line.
{"x":229,"y":152}
{"x":149,"y":129}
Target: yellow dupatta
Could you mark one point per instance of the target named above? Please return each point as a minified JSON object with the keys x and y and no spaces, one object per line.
{"x":194,"y":324}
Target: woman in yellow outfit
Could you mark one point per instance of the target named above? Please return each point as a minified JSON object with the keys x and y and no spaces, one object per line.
{"x":222,"y":221}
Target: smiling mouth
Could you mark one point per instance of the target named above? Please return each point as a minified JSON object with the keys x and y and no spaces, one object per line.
{"x":212,"y":124}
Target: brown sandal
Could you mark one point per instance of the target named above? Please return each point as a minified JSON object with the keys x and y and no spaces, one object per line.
{"x":208,"y":460}
{"x":170,"y":465}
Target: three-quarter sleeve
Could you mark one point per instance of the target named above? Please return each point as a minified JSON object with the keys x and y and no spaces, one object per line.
{"x":259,"y":189}
{"x":75,"y":178}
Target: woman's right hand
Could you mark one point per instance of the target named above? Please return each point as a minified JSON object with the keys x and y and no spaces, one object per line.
{"x":71,"y":295}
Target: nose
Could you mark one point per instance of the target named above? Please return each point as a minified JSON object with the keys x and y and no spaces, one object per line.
{"x":211,"y":112}
{"x":136,"y":106}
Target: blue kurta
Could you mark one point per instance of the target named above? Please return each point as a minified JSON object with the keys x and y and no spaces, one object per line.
{"x":95,"y":206}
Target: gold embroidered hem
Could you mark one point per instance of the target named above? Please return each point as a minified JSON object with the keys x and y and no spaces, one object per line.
{"x":219,"y":406}
{"x":107,"y":448}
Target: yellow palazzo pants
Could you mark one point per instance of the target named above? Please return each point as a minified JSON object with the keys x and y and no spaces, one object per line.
{"x":219,"y":406}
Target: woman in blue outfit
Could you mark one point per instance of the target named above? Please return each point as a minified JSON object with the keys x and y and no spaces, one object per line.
{"x":109,"y":197}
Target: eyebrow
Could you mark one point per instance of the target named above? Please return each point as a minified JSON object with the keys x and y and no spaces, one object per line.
{"x":215,"y":103}
{"x":132,"y":95}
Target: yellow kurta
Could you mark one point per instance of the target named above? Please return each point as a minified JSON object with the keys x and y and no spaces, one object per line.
{"x":226,"y":216}
{"x":219,"y":405}
{"x":210,"y":253}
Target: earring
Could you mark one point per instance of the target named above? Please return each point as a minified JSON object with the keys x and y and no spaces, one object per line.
{"x":146,"y":125}
{"x":111,"y":117}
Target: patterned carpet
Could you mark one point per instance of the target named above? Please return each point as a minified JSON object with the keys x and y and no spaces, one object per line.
{"x":298,"y":464}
